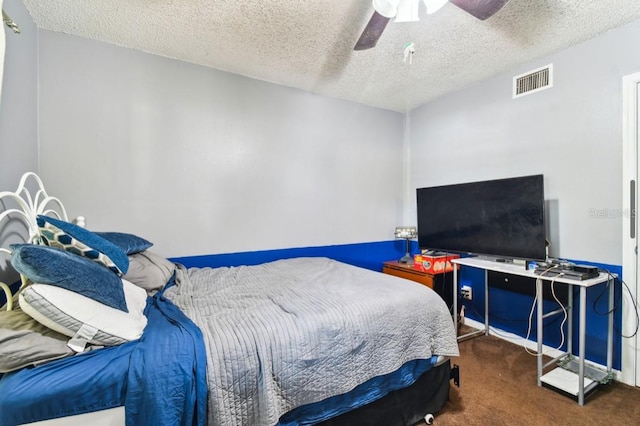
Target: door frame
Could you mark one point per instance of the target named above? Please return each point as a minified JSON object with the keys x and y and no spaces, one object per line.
{"x":630,"y":373}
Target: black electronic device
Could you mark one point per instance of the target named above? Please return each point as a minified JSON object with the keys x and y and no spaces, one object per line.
{"x":502,"y":218}
{"x":568,"y":270}
{"x":587,"y":269}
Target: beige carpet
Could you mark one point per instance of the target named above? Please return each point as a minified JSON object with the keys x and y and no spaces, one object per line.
{"x":498,"y":387}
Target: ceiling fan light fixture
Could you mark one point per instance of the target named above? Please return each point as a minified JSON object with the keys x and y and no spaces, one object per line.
{"x":408,"y":11}
{"x":404,"y":11}
{"x":386,"y":8}
{"x":434,"y":5}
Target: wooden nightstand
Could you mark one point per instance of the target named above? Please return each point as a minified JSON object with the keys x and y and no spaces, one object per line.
{"x":404,"y":270}
{"x":440,"y":283}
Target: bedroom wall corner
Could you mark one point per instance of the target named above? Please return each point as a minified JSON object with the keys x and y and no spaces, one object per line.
{"x":409,"y":214}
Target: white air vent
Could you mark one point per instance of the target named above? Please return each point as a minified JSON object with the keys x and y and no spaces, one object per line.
{"x":533,"y":81}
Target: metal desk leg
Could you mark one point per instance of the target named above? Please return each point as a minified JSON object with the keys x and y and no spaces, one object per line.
{"x":611,"y":284}
{"x":455,"y":299}
{"x":583,"y":320}
{"x":570,"y":319}
{"x":540,"y":327}
{"x":486,"y":302}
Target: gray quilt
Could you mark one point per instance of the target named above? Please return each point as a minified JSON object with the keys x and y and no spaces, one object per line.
{"x":293,"y":332}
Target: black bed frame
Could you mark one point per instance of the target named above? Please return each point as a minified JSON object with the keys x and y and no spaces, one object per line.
{"x":406,"y":406}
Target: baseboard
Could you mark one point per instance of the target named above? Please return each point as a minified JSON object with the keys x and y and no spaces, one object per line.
{"x":531,"y":345}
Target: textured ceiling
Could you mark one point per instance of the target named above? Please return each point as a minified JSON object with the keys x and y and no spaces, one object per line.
{"x":309,"y":44}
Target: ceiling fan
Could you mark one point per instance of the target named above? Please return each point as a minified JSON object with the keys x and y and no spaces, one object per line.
{"x":407,"y":11}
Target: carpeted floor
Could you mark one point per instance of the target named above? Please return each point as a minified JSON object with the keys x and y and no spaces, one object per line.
{"x":498,"y":387}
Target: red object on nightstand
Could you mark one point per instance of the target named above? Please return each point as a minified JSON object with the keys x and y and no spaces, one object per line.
{"x":436,"y":264}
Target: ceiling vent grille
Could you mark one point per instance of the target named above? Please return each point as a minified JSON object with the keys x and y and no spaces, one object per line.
{"x":533,"y":81}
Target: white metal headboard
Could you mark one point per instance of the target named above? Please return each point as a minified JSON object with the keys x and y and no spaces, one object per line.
{"x":24,"y":207}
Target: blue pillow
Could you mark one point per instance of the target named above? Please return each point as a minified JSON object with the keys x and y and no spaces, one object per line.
{"x":80,"y":241}
{"x":129,"y":243}
{"x":54,"y":266}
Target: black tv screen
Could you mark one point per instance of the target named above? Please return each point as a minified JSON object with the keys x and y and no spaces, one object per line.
{"x":503,"y":218}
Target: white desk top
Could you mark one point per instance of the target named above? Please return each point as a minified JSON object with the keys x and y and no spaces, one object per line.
{"x":519,"y":269}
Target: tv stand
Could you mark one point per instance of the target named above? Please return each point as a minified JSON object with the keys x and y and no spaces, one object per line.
{"x":571,"y":376}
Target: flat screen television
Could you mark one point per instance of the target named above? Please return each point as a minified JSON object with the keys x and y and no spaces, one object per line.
{"x":502,"y":218}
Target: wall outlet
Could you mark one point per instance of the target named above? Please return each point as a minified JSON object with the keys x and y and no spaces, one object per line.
{"x":466,"y":293}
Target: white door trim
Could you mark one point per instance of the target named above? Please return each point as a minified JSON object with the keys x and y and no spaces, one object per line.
{"x":630,"y":374}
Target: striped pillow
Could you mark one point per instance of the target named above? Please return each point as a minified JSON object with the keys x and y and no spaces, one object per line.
{"x":80,"y":241}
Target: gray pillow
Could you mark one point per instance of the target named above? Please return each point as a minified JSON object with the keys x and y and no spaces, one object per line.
{"x":25,"y":342}
{"x":149,"y":271}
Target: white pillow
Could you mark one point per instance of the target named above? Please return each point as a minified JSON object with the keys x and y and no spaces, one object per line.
{"x":66,"y":312}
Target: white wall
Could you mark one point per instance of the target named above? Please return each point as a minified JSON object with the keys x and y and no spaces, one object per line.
{"x":201,"y":161}
{"x":18,"y":106}
{"x":18,"y":118}
{"x":572,"y":133}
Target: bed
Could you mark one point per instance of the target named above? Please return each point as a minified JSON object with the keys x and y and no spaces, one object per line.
{"x":291,"y":342}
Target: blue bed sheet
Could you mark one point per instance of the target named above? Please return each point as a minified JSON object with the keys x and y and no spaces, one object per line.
{"x":160,"y":378}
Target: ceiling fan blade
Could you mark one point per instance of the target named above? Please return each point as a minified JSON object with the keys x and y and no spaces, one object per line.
{"x":372,"y":32}
{"x":481,"y":9}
